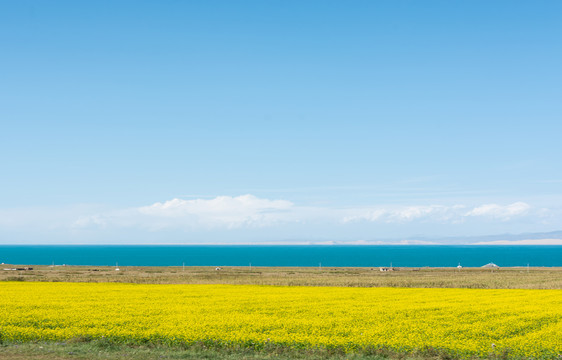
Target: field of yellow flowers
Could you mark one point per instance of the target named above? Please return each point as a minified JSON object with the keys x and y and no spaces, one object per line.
{"x":463,"y":322}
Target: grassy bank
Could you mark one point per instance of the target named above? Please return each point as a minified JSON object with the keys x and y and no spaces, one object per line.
{"x":476,"y":278}
{"x":103,"y":350}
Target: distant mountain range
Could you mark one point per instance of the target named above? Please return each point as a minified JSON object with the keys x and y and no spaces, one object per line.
{"x":543,"y":238}
{"x":539,"y":238}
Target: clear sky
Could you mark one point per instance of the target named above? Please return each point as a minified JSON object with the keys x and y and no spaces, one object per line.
{"x":278,"y":121}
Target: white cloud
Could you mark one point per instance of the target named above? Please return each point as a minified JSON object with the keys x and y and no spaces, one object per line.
{"x":220,"y":212}
{"x":85,"y":221}
{"x":441,"y":214}
{"x":41,"y":218}
{"x":438,"y":213}
{"x":238,"y":207}
{"x":500,"y":212}
{"x":250,"y":212}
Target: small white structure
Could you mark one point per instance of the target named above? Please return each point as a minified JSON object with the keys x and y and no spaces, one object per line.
{"x":459,"y":266}
{"x":491,"y":266}
{"x":218,"y":268}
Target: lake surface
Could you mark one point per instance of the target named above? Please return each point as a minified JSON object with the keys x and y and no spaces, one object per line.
{"x":353,"y":256}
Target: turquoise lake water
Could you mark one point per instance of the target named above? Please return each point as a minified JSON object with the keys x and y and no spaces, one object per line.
{"x":359,"y":256}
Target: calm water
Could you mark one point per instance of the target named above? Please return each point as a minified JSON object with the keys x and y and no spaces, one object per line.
{"x":360,"y":256}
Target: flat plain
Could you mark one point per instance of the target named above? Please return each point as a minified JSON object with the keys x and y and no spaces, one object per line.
{"x":293,"y":313}
{"x":474,"y":278}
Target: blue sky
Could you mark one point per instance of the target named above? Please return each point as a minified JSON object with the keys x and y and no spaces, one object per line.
{"x":278,"y":121}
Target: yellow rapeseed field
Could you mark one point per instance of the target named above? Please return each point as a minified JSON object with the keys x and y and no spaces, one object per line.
{"x":462,"y":321}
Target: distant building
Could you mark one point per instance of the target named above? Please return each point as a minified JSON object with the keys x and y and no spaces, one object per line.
{"x":491,"y":266}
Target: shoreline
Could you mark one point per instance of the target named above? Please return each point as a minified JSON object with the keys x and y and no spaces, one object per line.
{"x":326,"y":267}
{"x":425,"y":277}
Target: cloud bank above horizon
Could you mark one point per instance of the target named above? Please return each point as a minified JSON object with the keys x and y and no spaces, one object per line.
{"x":249,"y":218}
{"x":249,"y":211}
